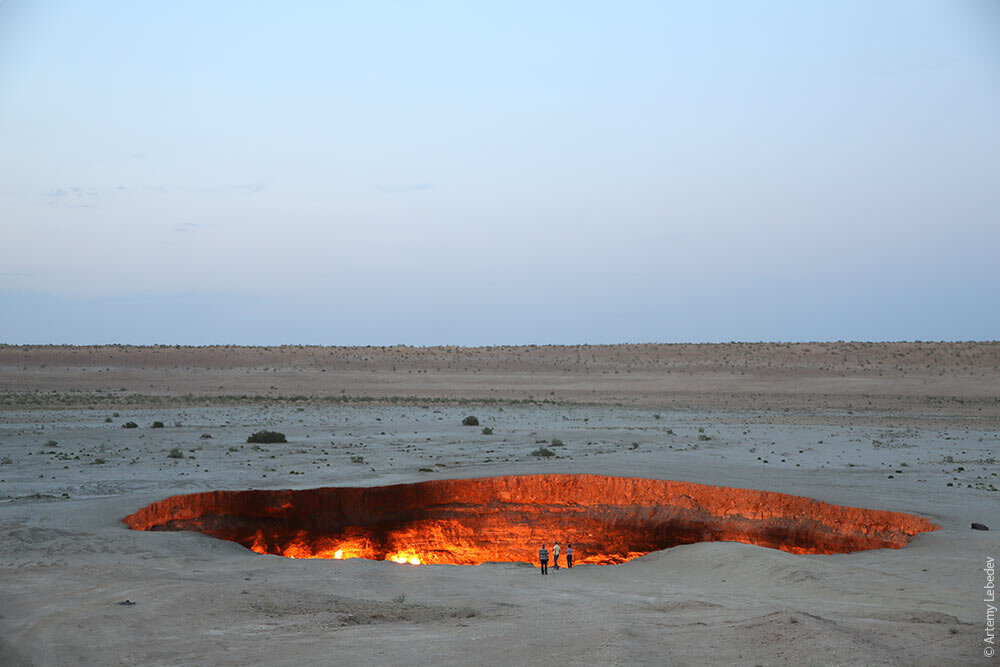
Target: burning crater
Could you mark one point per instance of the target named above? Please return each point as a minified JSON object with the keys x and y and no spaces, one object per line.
{"x":472,"y":521}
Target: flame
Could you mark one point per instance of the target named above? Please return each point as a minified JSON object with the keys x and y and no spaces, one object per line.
{"x":404,"y":558}
{"x":258,"y":544}
{"x":301,"y":548}
{"x":305,"y":549}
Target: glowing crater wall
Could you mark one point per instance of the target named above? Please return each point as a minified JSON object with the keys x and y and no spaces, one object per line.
{"x":472,"y":521}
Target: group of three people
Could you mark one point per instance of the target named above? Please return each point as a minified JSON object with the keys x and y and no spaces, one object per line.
{"x":543,"y":557}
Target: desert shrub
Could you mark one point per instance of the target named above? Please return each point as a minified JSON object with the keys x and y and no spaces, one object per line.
{"x":470,"y":421}
{"x":267,"y":437}
{"x":556,"y":442}
{"x":157,"y":424}
{"x":175,"y":453}
{"x":487,"y":430}
{"x":107,"y":420}
{"x":130,"y":425}
{"x":702,"y":436}
{"x":543,"y":451}
{"x":206,"y":436}
{"x":51,"y":443}
{"x":99,"y":461}
{"x":357,"y":459}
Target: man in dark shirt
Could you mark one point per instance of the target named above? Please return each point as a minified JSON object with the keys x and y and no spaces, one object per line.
{"x":543,"y":558}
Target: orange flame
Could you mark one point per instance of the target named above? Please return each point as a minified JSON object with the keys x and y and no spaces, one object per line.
{"x":405,"y":557}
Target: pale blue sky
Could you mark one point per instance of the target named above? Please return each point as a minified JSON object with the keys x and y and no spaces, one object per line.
{"x":492,"y":173}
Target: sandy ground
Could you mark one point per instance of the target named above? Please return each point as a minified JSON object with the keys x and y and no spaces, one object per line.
{"x":922,"y":438}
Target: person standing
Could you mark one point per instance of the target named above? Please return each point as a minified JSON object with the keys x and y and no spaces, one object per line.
{"x":555,"y":556}
{"x":543,"y":558}
{"x":569,"y":555}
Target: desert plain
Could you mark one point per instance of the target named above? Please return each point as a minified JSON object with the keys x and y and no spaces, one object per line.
{"x":910,"y":427}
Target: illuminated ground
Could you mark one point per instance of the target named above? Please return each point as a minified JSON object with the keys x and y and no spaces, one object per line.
{"x":607,"y":520}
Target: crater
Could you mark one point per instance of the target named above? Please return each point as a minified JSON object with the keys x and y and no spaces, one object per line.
{"x":473,"y":521}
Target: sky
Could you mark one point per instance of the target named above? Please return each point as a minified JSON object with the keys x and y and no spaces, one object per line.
{"x":425,"y":173}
